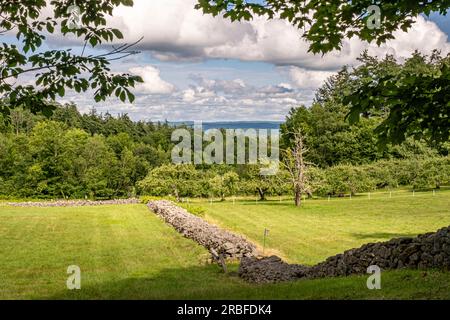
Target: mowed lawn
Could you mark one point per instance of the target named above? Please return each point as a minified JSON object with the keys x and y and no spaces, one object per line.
{"x":126,"y":252}
{"x":323,"y":228}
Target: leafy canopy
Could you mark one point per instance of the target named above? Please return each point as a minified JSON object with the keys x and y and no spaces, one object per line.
{"x":414,"y":96}
{"x":333,"y":140}
{"x":326,"y":23}
{"x":31,"y":22}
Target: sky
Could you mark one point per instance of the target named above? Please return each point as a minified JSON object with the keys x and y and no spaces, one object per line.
{"x":197,"y":67}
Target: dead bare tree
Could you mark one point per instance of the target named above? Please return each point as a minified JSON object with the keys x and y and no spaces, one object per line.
{"x":295,"y":164}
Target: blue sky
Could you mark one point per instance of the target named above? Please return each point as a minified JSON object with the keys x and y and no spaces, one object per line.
{"x":198,"y":67}
{"x":442,"y":21}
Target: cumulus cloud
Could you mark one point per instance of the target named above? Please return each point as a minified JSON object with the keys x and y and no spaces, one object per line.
{"x":206,"y":103}
{"x":277,"y":89}
{"x":234,"y":86}
{"x":153,"y":84}
{"x":308,"y":79}
{"x":424,"y":36}
{"x":198,"y":95}
{"x":176,"y":31}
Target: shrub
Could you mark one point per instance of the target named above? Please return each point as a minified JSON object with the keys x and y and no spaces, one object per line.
{"x":147,"y":199}
{"x":193,"y":209}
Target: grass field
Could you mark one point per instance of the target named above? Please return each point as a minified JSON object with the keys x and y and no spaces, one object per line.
{"x":322,"y":228}
{"x":126,"y":252}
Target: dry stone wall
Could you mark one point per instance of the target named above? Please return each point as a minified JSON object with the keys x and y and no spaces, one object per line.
{"x":73,"y":203}
{"x":216,"y":240}
{"x":430,"y":250}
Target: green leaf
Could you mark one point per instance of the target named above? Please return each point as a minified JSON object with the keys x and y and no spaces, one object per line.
{"x":131,"y":96}
{"x":123,"y":96}
{"x":61,"y":91}
{"x":93,"y":41}
{"x":50,"y":27}
{"x":117,"y":33}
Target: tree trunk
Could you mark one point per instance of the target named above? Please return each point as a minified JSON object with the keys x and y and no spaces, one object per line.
{"x":177,"y":195}
{"x":298,"y":198}
{"x":262,"y":194}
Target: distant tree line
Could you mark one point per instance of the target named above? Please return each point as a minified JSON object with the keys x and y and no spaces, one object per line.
{"x":78,"y":156}
{"x":73,"y":155}
{"x":187,"y":181}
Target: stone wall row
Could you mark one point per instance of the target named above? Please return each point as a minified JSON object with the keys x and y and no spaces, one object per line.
{"x":427,"y":251}
{"x":216,"y":240}
{"x":73,"y":203}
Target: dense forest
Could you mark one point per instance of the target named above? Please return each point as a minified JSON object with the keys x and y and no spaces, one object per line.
{"x":74,"y":155}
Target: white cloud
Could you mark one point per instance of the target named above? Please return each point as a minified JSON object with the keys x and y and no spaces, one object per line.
{"x":308,"y":79}
{"x":174,"y":30}
{"x":198,"y":95}
{"x":234,"y":86}
{"x":153,"y":84}
{"x":424,"y":36}
{"x":202,"y":103}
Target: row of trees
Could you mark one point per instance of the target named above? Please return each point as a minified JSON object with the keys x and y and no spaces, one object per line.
{"x":420,"y":173}
{"x":187,"y":181}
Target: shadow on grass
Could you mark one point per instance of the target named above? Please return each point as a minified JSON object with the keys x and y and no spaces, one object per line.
{"x":382,"y":235}
{"x":198,"y":282}
{"x":209,"y":283}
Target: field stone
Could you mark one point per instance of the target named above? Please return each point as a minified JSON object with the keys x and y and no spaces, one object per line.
{"x":428,"y":250}
{"x":267,"y":270}
{"x":216,"y":240}
{"x":73,"y":203}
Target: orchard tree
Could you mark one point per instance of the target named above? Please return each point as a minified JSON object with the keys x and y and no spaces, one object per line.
{"x":224,"y":185}
{"x":383,"y":173}
{"x":55,"y":71}
{"x":255,"y":182}
{"x":318,"y":181}
{"x":349,"y":179}
{"x":324,"y":24}
{"x":432,"y":173}
{"x":177,"y":180}
{"x":438,"y":171}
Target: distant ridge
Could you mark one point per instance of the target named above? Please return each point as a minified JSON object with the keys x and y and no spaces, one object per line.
{"x":232,"y":124}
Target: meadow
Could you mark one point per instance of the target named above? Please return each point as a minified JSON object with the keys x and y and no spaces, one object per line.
{"x":322,"y":228}
{"x":126,"y":252}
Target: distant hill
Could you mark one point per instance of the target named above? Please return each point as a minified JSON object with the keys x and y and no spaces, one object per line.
{"x":233,"y":124}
